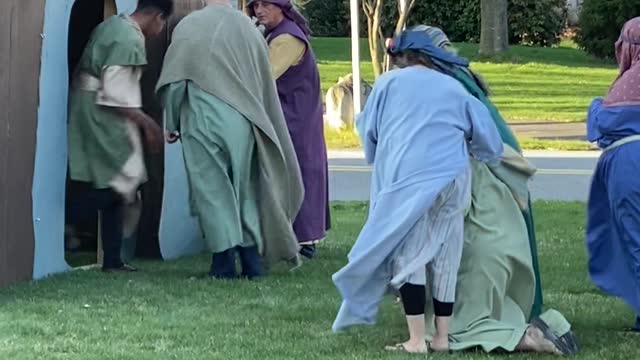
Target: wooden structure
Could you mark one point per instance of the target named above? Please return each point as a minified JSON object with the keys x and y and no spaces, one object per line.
{"x":40,"y":40}
{"x":20,"y":45}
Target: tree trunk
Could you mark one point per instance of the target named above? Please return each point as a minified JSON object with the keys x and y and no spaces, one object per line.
{"x":373,"y":11}
{"x":404,"y":9}
{"x":494,"y":35}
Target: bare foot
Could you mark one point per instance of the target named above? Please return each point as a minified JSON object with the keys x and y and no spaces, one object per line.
{"x":534,"y":341}
{"x":439,"y":344}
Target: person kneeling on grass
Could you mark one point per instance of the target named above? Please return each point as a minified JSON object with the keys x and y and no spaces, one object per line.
{"x":418,"y":128}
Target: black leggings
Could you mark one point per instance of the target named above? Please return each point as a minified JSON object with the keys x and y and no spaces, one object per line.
{"x":414,"y":300}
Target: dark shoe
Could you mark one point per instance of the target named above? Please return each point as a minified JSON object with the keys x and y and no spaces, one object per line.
{"x":251,"y":262}
{"x":308,"y":251}
{"x":223,"y":265}
{"x":125,"y":268}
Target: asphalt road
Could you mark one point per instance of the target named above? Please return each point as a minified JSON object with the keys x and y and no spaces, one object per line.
{"x":561,"y":175}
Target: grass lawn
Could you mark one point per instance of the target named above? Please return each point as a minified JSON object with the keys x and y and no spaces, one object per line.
{"x":528,"y":83}
{"x":160,"y":314}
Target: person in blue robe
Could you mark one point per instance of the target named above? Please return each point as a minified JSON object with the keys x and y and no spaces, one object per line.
{"x":418,"y":128}
{"x":613,"y":223}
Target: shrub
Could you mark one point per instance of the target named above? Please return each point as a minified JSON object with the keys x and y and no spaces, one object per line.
{"x":537,"y":22}
{"x":327,"y":18}
{"x":600,"y":24}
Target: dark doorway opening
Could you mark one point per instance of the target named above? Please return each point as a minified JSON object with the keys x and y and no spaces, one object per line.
{"x":81,"y":239}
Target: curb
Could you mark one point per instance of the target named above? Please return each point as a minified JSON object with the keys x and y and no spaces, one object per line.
{"x":593,"y":154}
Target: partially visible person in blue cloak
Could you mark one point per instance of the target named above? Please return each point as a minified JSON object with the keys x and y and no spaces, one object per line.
{"x":613,"y":224}
{"x":419,"y":143}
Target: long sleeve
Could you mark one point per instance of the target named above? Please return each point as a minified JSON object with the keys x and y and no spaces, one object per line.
{"x":593,"y":131}
{"x":172,"y":96}
{"x":285,"y":51}
{"x":367,"y":125}
{"x":485,"y":143}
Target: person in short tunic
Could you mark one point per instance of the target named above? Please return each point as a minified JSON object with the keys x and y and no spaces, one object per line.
{"x":613,"y":223}
{"x":244,"y":182}
{"x":296,"y":73}
{"x":105,"y":122}
{"x":419,"y":143}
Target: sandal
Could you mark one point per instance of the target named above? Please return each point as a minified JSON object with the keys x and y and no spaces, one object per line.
{"x":402,"y":348}
{"x":566,"y":344}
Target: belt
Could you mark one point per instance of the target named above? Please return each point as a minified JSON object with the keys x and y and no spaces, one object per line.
{"x":86,"y":82}
{"x":623,"y":141}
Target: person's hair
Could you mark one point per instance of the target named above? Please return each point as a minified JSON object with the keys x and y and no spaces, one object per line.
{"x":165,"y":7}
{"x":410,"y":58}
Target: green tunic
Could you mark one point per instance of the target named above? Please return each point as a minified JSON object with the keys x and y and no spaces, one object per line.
{"x":222,"y":165}
{"x":99,"y":144}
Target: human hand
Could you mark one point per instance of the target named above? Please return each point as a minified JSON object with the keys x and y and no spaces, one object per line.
{"x":171,"y":137}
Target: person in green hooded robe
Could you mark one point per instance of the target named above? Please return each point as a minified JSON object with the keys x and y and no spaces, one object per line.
{"x":499,"y":297}
{"x":244,"y":181}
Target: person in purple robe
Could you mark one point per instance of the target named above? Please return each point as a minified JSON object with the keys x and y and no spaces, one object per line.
{"x":298,"y":81}
{"x":613,"y":224}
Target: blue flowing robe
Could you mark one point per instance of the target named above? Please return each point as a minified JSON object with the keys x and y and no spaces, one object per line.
{"x":613,"y":225}
{"x":418,"y":128}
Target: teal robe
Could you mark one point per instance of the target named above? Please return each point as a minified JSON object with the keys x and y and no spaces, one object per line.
{"x":222,"y":167}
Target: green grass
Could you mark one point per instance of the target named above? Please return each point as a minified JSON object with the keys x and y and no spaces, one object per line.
{"x":160,"y":314}
{"x":528,"y":83}
{"x":349,"y":140}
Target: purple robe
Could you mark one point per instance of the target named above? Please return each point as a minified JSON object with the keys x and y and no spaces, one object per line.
{"x":301,"y":99}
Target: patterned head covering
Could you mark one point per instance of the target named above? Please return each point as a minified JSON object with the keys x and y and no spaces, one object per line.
{"x":626,"y":88}
{"x":287,"y":8}
{"x":440,"y":39}
{"x":422,"y":42}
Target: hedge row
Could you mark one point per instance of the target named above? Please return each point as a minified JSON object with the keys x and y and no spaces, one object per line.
{"x":539,"y":22}
{"x":601,"y":21}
